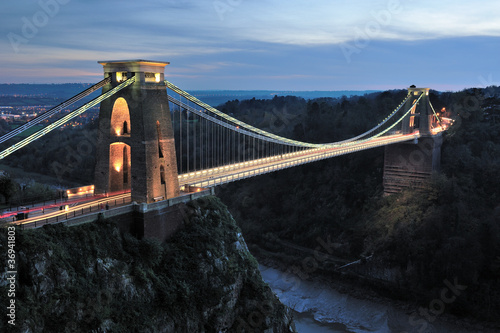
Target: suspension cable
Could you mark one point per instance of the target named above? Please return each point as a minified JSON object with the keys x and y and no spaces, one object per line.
{"x":435,"y":114}
{"x":49,"y":113}
{"x":65,"y":119}
{"x":239,"y":125}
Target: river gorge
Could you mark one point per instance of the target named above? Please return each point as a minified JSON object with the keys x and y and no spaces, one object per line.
{"x":321,"y":309}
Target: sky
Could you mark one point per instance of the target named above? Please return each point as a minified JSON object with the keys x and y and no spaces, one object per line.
{"x":257,"y":44}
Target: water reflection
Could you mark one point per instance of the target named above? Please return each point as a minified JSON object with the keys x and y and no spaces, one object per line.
{"x":322,"y":309}
{"x":305,"y":323}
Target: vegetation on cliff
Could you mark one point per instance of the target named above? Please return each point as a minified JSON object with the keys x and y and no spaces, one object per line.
{"x":94,"y":278}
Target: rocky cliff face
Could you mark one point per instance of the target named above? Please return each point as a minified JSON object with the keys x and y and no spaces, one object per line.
{"x":93,"y":278}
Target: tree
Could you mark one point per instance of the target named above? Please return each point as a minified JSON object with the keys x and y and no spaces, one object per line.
{"x":7,"y":187}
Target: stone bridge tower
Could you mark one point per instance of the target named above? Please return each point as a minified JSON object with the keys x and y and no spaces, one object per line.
{"x":411,"y":164}
{"x":135,"y":144}
{"x":422,"y":119}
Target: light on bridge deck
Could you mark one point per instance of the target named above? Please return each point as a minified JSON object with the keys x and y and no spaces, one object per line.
{"x":80,"y":191}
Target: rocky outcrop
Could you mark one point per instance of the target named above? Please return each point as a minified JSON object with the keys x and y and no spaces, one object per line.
{"x":93,"y":278}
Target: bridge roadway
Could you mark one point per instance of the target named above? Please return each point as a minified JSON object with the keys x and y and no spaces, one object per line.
{"x":78,"y":211}
{"x":229,"y":173}
{"x":42,"y":215}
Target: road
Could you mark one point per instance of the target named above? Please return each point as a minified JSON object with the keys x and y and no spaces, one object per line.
{"x":234,"y":172}
{"x":51,"y":214}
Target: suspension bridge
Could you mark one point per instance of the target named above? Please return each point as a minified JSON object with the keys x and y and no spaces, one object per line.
{"x":157,"y":142}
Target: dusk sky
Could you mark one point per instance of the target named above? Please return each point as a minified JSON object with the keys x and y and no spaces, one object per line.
{"x":245,"y":45}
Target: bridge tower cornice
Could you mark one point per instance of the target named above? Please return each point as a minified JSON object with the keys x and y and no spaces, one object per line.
{"x":147,"y":72}
{"x":419,"y":90}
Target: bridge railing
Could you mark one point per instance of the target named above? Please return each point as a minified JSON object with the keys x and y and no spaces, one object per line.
{"x":316,"y":156}
{"x":237,"y":166}
{"x":110,"y":208}
{"x":65,"y":216}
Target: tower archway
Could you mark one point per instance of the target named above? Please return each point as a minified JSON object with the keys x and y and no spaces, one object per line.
{"x":120,"y":118}
{"x":119,"y":167}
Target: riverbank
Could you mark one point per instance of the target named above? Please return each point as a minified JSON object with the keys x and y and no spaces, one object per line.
{"x":345,"y":303}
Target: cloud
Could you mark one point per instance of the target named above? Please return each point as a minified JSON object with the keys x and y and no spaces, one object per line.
{"x":323,"y":22}
{"x":228,"y":42}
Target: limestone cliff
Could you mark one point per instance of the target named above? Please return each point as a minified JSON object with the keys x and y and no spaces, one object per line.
{"x":93,"y":278}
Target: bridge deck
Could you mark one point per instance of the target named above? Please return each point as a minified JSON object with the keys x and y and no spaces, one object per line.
{"x":88,"y":210}
{"x":238,"y":171}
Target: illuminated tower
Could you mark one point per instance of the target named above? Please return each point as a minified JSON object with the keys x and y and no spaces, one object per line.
{"x":419,"y":117}
{"x":411,"y":164}
{"x":135,"y":145}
